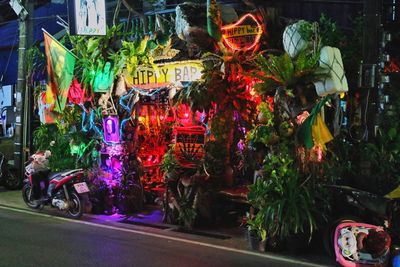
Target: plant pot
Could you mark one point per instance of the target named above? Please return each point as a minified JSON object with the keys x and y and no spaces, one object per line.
{"x":262,"y":245}
{"x":254,"y":239}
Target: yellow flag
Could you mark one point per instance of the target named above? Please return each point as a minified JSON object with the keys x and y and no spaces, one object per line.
{"x":320,"y":132}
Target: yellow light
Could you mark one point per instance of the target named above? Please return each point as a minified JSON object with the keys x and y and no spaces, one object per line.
{"x":244,"y":28}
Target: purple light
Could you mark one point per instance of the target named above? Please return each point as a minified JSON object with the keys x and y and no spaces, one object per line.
{"x":111,"y":129}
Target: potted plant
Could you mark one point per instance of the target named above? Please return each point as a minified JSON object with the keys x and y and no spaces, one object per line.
{"x":256,"y":233}
{"x":285,"y":198}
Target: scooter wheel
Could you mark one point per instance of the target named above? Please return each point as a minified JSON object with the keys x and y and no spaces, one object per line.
{"x":75,"y":210}
{"x":27,"y":197}
{"x":12,"y":181}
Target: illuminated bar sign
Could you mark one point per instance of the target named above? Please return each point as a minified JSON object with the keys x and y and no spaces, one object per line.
{"x":87,"y":17}
{"x":243,"y":35}
{"x":182,"y":71}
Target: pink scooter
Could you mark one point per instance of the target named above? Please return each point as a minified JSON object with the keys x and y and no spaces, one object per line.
{"x":347,"y":250}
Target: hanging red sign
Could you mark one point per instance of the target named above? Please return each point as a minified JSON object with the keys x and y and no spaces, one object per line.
{"x":243,"y":35}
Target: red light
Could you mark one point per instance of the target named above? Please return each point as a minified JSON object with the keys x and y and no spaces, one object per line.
{"x":186,"y":115}
{"x":235,"y":46}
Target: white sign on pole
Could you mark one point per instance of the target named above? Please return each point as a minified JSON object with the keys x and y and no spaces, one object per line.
{"x":6,"y":94}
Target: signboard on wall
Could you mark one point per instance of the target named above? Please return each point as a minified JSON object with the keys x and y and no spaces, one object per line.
{"x":88,"y":17}
{"x":6,"y":95}
{"x":243,"y":35}
{"x":174,"y":72}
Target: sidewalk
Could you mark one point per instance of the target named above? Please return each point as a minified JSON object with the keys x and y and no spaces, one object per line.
{"x":231,"y":237}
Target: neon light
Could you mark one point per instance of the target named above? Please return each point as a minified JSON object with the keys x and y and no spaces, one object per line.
{"x":238,"y":30}
{"x":111,"y":129}
{"x":91,"y":124}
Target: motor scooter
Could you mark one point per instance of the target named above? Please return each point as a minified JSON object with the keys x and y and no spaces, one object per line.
{"x":66,"y":190}
{"x":8,"y":176}
{"x":356,"y":209}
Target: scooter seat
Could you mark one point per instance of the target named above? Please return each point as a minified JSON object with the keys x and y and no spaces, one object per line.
{"x":56,"y":175}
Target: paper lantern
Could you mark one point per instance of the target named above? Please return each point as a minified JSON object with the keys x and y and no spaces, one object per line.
{"x":293,"y":42}
{"x":335,"y":82}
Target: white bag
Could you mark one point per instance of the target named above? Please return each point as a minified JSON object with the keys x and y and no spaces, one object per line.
{"x":335,"y":82}
{"x":293,"y":42}
{"x":120,"y":88}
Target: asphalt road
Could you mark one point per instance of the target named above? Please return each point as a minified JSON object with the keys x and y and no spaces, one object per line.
{"x":33,"y":240}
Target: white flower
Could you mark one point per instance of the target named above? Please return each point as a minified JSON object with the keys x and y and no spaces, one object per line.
{"x":52,"y":143}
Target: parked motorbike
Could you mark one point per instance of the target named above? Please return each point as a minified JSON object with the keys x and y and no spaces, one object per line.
{"x":8,"y":176}
{"x":357,"y":208}
{"x":64,"y":190}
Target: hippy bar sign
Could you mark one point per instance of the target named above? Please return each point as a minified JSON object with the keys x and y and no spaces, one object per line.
{"x":244,"y":35}
{"x":182,"y":71}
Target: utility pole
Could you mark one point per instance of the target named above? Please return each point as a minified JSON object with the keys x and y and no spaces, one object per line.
{"x":20,"y":92}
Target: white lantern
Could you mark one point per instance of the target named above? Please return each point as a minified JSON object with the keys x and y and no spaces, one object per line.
{"x":331,"y":61}
{"x":293,"y":42}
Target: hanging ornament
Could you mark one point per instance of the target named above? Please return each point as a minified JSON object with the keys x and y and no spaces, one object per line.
{"x":213,"y":20}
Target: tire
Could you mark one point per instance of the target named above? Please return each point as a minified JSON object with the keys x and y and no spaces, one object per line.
{"x":12,"y":181}
{"x":329,"y":233}
{"x":27,"y":197}
{"x":75,"y":209}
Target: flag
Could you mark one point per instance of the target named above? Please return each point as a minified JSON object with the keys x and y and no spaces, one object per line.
{"x":60,"y":70}
{"x":313,"y":129}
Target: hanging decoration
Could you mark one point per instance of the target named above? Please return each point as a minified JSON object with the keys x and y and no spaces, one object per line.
{"x":244,"y":35}
{"x":336,"y":81}
{"x":60,"y":70}
{"x":189,"y":145}
{"x":87,"y":17}
{"x":76,"y":94}
{"x":106,"y":104}
{"x":45,"y":109}
{"x":213,"y":20}
{"x":103,"y":79}
{"x":296,"y":37}
{"x":313,"y":130}
{"x":120,"y":88}
{"x":175,"y":72}
{"x":111,"y":129}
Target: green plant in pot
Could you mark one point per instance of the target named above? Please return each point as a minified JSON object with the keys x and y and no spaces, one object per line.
{"x":256,"y":232}
{"x":187,"y":214}
{"x":284,"y":197}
